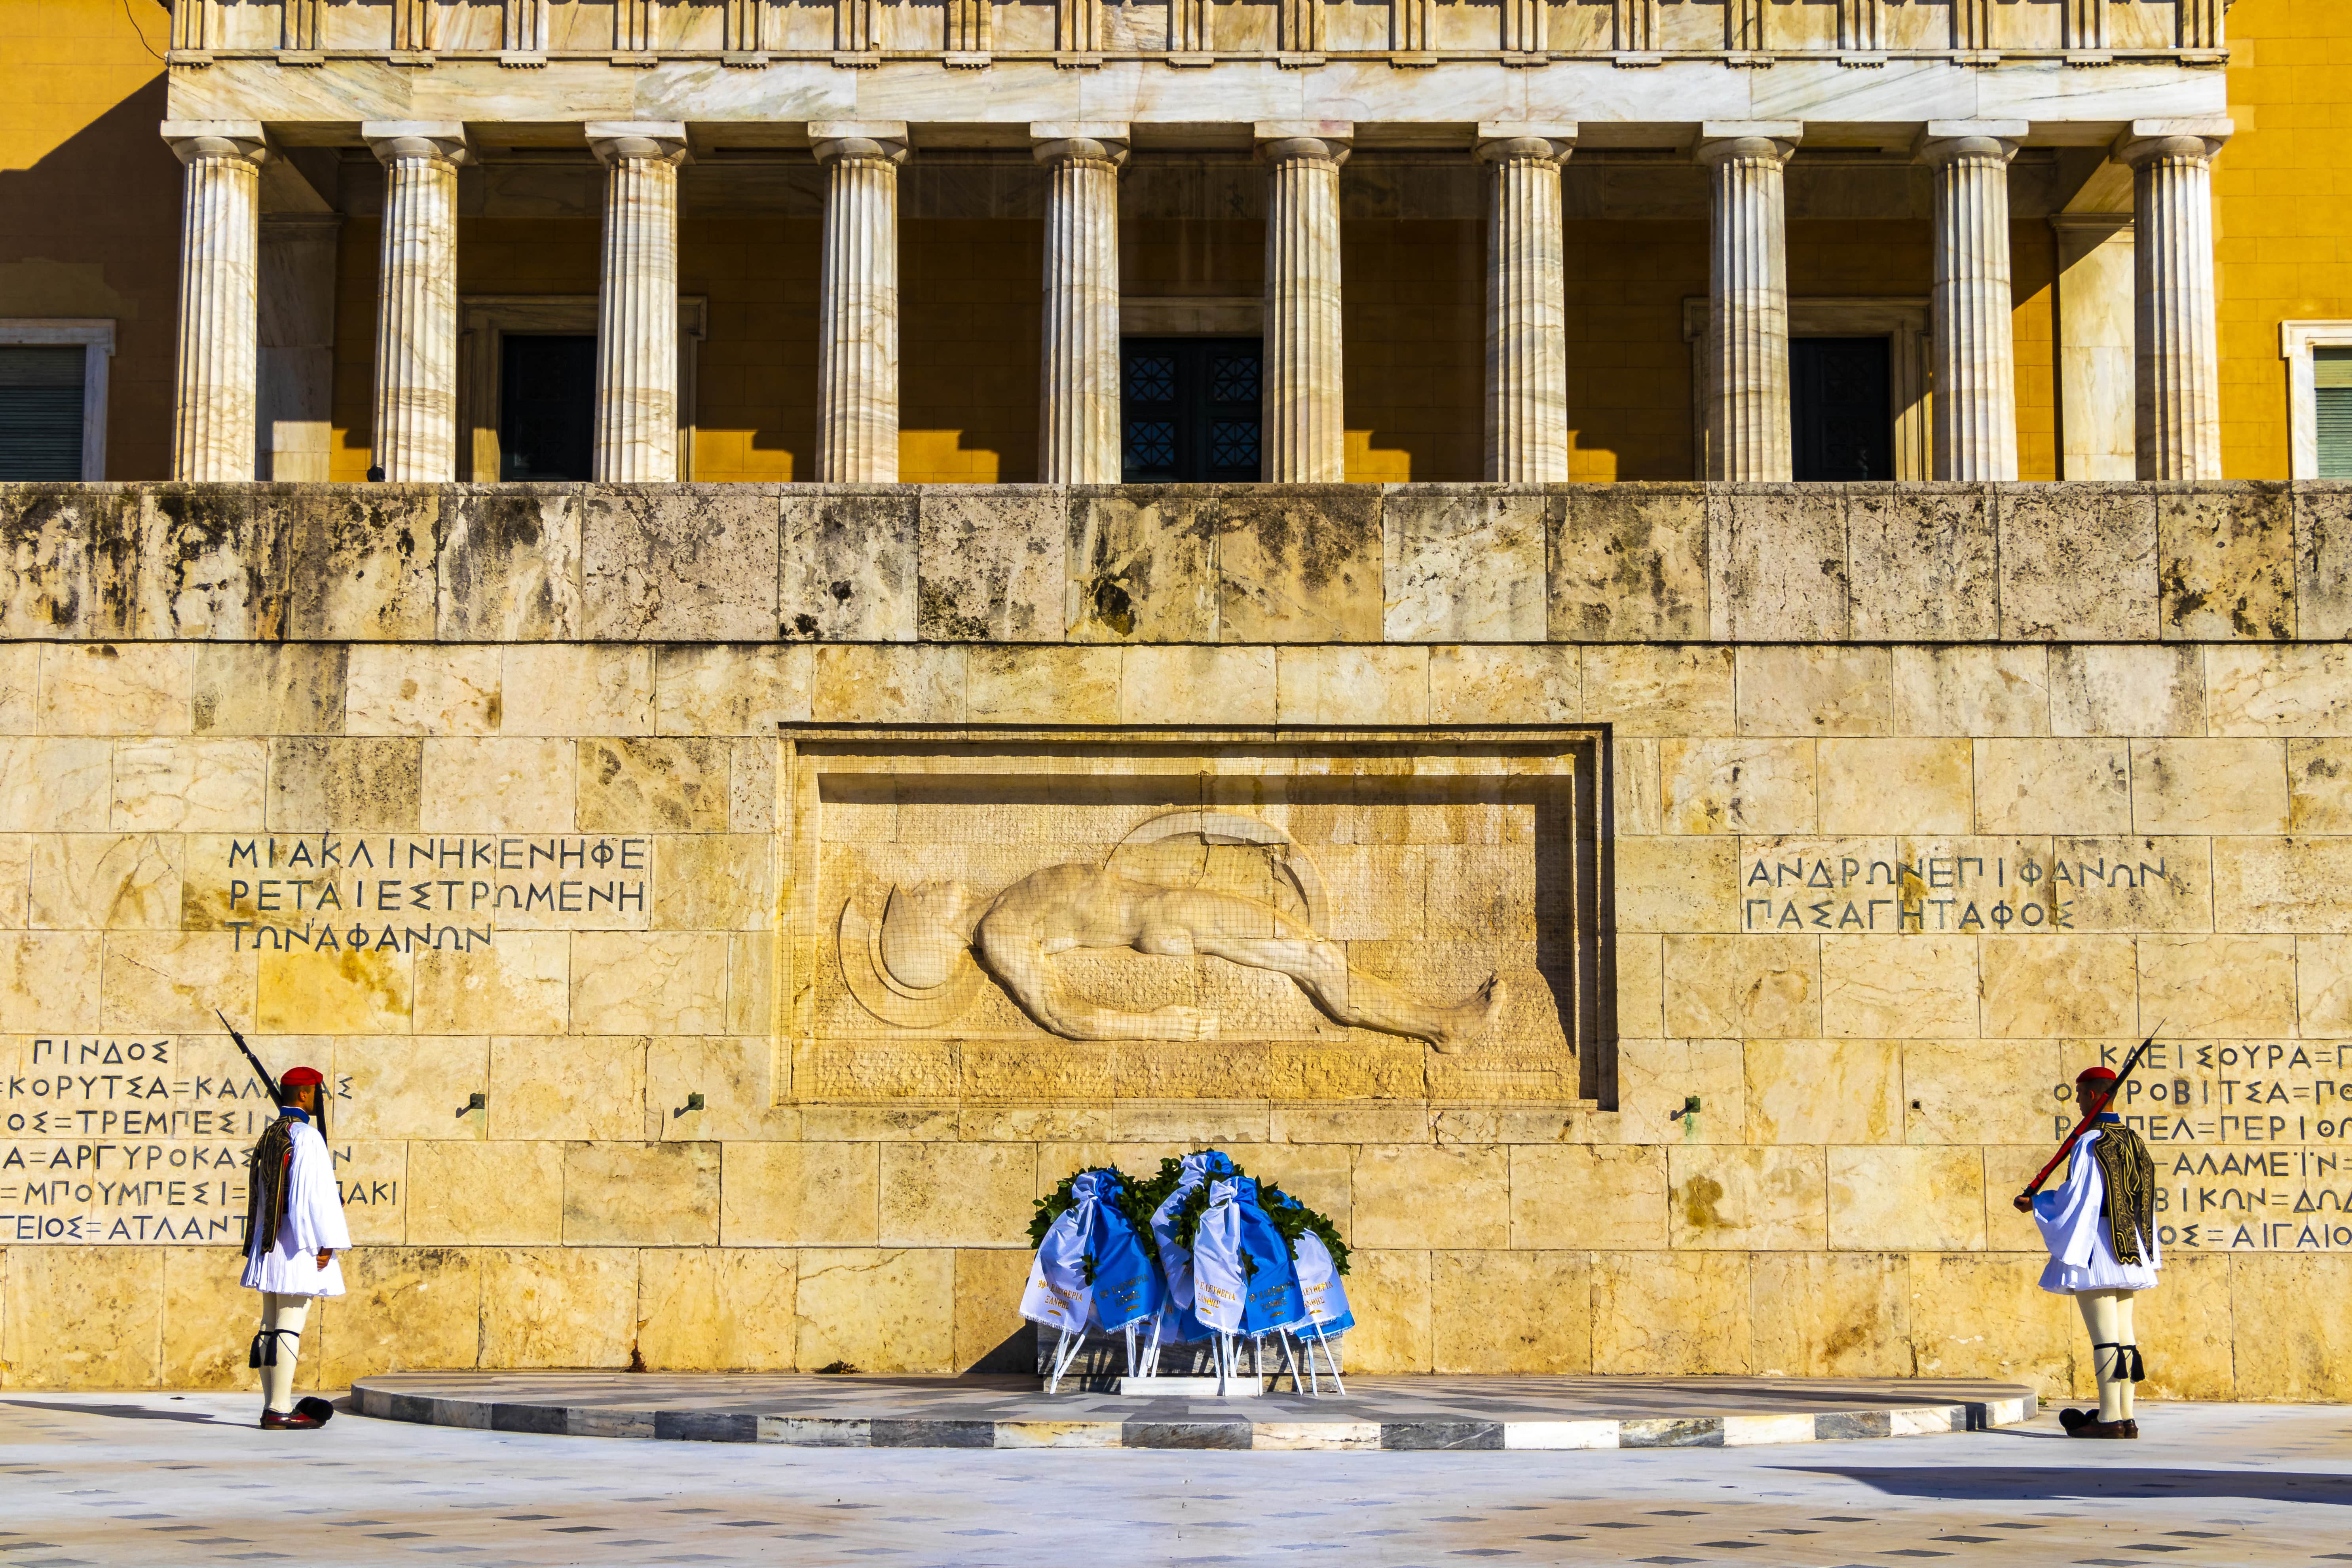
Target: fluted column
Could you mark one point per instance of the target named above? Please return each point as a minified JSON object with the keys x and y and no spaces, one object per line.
{"x":1306,"y":439}
{"x":1975,"y":351}
{"x":636,"y":304}
{"x":1078,"y":425}
{"x":1749,"y":435}
{"x":1526,"y":311}
{"x":417,"y":317}
{"x":858,"y":308}
{"x":217,"y":401}
{"x":2178,"y":352}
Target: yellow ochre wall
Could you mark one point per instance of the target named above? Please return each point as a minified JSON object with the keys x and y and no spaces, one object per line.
{"x":2283,"y":210}
{"x":90,"y":198}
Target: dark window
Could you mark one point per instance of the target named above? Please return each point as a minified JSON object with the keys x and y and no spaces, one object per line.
{"x":1189,"y":410}
{"x":547,"y":406}
{"x":2332,"y":373}
{"x":41,"y":413}
{"x":1839,"y":402}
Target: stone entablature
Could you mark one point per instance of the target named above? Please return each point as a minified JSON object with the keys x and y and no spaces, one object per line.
{"x":1337,"y":564}
{"x":775,"y":107}
{"x":969,"y":34}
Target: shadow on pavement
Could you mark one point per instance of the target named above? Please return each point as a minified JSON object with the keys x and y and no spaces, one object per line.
{"x":125,"y":1412}
{"x":2000,"y":1484}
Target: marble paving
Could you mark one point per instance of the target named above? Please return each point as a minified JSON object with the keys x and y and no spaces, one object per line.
{"x":90,"y":1480}
{"x":1012,"y":1412}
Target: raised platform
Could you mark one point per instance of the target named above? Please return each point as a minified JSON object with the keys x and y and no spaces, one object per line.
{"x":1011,"y":1411}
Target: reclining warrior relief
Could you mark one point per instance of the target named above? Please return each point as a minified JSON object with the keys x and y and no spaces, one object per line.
{"x":918,"y":967}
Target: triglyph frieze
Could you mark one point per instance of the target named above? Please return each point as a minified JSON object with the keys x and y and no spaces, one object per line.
{"x":1140,"y":918}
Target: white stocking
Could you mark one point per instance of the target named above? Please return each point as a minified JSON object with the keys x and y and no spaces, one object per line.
{"x":2100,"y":1315}
{"x":2125,"y":1332}
{"x":284,"y":1314}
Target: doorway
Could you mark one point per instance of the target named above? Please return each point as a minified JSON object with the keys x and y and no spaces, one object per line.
{"x":547,"y":406}
{"x":1841,"y":409}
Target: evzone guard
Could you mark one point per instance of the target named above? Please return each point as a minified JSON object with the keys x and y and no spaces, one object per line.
{"x":294,"y":1228}
{"x":2100,"y":1228}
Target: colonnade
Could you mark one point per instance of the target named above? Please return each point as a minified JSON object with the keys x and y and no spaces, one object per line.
{"x":1748,"y":433}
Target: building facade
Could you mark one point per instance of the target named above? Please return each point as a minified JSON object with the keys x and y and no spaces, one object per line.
{"x":1817,"y":832}
{"x":1442,"y":266}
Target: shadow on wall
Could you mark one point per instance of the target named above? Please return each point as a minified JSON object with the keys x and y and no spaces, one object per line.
{"x":95,"y":233}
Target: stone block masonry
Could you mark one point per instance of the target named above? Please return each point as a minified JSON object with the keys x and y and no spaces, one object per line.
{"x":1918,"y":799}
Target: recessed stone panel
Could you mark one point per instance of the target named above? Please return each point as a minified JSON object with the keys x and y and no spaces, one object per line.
{"x":1392,"y":917}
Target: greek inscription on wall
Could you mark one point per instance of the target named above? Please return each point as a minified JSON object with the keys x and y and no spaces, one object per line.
{"x":333,"y":893}
{"x":2252,"y":1141}
{"x":119,"y":1141}
{"x":1977,"y":893}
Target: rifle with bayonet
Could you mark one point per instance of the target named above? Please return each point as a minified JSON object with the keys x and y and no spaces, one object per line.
{"x":267,"y":1082}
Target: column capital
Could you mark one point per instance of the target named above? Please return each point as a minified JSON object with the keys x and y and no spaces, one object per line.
{"x":1722,"y":140}
{"x":1305,"y":141}
{"x":1079,"y":141}
{"x":195,"y":139}
{"x":858,"y":140}
{"x":1547,"y":141}
{"x":1943,"y":141}
{"x":442,"y":140}
{"x":659,"y":140}
{"x":2151,"y":138}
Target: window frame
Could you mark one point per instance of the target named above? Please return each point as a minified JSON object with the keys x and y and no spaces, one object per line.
{"x":95,"y":336}
{"x":1196,"y":416}
{"x":2296,"y":342}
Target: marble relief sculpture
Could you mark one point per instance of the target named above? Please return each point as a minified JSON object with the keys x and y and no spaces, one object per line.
{"x":922,"y":965}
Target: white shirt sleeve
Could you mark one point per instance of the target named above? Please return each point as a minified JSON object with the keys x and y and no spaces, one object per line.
{"x":314,"y":1208}
{"x":2069,"y":1216}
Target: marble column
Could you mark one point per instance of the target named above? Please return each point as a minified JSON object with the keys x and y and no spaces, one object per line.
{"x":858,"y":306}
{"x":2097,"y":437}
{"x":1750,"y":434}
{"x":1305,"y":432}
{"x":1527,"y":310}
{"x":217,"y":399}
{"x":1078,"y":424}
{"x":1975,"y":353}
{"x":2178,"y":349}
{"x":636,"y":304}
{"x":415,"y":438}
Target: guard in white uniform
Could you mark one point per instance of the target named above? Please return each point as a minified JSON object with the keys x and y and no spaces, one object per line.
{"x":294,"y":1227}
{"x":2100,"y":1228}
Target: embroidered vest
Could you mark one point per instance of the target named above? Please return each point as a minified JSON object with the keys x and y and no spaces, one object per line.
{"x":2129,"y":1203}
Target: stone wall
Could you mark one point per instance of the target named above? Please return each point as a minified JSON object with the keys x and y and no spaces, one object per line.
{"x":1920,"y":800}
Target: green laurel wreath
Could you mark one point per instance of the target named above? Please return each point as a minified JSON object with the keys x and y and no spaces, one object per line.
{"x":1139,"y":1200}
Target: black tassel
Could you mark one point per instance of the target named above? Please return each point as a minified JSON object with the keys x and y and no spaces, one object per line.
{"x":264,"y":1351}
